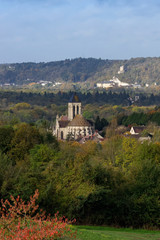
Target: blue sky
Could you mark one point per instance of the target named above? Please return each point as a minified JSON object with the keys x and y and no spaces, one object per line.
{"x":48,"y":30}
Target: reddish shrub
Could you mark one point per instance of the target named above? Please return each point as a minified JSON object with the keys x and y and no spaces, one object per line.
{"x":21,"y":221}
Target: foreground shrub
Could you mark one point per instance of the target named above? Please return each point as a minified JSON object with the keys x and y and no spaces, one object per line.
{"x":20,"y":220}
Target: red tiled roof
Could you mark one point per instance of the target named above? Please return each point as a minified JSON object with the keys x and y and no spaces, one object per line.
{"x":64,"y":118}
{"x":63,"y":124}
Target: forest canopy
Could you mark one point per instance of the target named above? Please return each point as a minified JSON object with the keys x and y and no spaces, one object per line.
{"x":113,"y":183}
{"x":116,"y":182}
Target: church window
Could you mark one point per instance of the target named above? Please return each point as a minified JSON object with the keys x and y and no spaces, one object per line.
{"x":73,"y":111}
{"x":77,"y":109}
{"x":61,"y":134}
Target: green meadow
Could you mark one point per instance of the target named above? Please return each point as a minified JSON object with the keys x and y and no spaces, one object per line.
{"x":106,"y":233}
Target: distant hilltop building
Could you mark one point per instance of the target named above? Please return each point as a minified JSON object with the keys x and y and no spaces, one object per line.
{"x":115,"y":82}
{"x":105,"y":84}
{"x":73,"y":126}
{"x":119,"y":83}
{"x":121,"y":70}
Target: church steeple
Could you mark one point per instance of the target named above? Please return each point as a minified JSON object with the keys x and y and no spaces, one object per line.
{"x":74,"y":107}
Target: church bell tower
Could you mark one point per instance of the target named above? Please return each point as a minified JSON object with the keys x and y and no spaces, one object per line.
{"x":74,"y":107}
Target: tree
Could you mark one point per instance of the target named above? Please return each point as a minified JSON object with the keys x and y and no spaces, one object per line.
{"x":144,"y":192}
{"x":40,"y":155}
{"x":25,"y":138}
{"x":111,"y":129}
{"x":100,"y":123}
{"x":22,"y":105}
{"x":128,"y":153}
{"x":6,"y":135}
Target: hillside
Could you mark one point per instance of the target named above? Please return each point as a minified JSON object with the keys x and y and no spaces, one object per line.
{"x":140,"y":70}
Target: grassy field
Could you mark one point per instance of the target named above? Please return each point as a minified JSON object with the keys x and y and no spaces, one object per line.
{"x":106,"y":233}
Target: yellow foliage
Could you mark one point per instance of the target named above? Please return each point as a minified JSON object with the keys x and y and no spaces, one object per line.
{"x":128,"y":153}
{"x":22,"y":105}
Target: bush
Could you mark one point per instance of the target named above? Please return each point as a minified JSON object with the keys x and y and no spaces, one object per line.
{"x":20,"y":220}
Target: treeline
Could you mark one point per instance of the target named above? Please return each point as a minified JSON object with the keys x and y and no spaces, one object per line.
{"x":140,"y":70}
{"x":61,"y":98}
{"x":122,"y":98}
{"x":74,"y":70}
{"x":41,"y":109}
{"x":113,"y":183}
{"x":140,"y":118}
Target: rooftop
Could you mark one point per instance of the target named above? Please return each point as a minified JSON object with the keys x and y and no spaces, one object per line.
{"x":79,"y":121}
{"x":63,"y":124}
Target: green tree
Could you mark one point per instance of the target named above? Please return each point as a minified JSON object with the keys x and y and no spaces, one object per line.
{"x":128,"y":153}
{"x":100,"y":123}
{"x":25,"y":138}
{"x":40,"y":155}
{"x":6,"y":135}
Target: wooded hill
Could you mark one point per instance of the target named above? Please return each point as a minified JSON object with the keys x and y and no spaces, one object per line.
{"x":140,"y":70}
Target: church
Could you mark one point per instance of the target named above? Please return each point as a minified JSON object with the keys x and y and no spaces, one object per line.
{"x":73,"y":126}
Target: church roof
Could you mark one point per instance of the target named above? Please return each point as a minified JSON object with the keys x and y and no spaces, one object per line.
{"x":63,"y":118}
{"x":74,"y":98}
{"x":63,"y":124}
{"x":79,"y":121}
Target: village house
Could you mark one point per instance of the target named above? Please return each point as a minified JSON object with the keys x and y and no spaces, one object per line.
{"x":137,"y":130}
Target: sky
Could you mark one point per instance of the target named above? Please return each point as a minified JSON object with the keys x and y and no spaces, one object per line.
{"x":51,"y":30}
